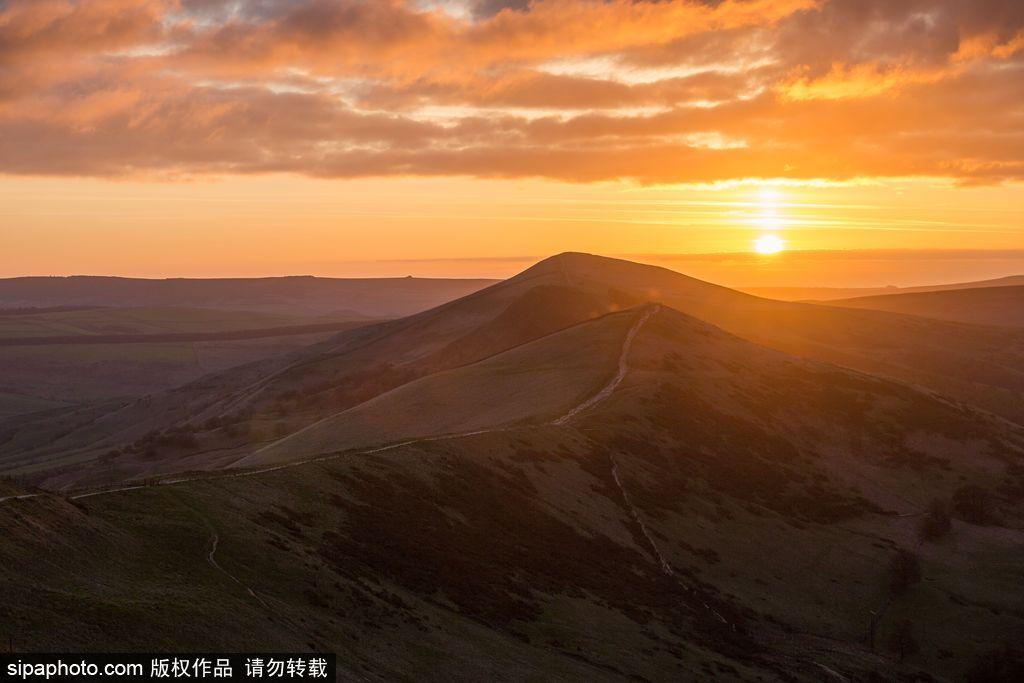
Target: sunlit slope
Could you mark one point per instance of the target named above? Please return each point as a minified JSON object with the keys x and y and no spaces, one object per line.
{"x":534,"y":381}
{"x":982,"y":365}
{"x":728,"y":512}
{"x":1002,"y":306}
{"x":464,"y":331}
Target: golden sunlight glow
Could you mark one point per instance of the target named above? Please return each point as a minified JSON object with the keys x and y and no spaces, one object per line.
{"x":460,"y":227}
{"x":484,"y":135}
{"x":769,"y":244}
{"x":767,"y":217}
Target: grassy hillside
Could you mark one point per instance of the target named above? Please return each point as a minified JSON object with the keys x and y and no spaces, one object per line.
{"x":543,"y":378}
{"x":728,"y":512}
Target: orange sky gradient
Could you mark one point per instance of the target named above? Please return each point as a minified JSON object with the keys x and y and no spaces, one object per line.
{"x":163,"y":138}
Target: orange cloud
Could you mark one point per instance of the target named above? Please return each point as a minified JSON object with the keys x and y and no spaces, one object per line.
{"x":577,"y":90}
{"x":391,"y":38}
{"x":859,"y":80}
{"x":30,"y":28}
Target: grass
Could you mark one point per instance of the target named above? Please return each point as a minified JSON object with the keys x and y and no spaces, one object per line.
{"x":457,"y":557}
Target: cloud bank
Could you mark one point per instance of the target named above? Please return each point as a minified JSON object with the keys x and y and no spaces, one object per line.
{"x":577,"y":90}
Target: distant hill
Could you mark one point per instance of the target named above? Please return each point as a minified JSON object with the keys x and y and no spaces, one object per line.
{"x":834,"y":293}
{"x":300,"y":295}
{"x":1002,"y":305}
{"x":123,"y":325}
{"x":52,"y":357}
{"x":74,"y":340}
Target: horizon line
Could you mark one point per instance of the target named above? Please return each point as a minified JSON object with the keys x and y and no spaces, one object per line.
{"x":937,"y":254}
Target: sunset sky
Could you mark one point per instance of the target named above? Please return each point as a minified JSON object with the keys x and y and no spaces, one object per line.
{"x":466,"y":137}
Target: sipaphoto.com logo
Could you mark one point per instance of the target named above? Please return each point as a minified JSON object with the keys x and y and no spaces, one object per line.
{"x":60,"y":669}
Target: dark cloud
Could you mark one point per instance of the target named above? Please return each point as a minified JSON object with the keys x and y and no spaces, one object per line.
{"x":485,"y":9}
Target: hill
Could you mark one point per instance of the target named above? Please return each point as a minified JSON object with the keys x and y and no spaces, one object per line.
{"x":305,"y":295}
{"x":213,"y":422}
{"x":544,"y":377}
{"x":708,"y":509}
{"x":980,"y":365}
{"x":983,"y":306}
{"x":836,"y":293}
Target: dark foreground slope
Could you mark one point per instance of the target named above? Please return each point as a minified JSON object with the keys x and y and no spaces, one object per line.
{"x":983,"y":306}
{"x":710,"y":510}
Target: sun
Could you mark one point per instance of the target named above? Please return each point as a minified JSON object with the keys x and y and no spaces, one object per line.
{"x":769,"y":244}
